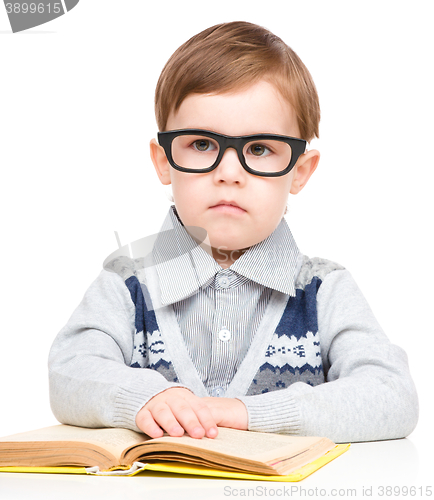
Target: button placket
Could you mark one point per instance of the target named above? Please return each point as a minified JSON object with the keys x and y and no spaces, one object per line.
{"x":222,"y":336}
{"x":216,"y":343}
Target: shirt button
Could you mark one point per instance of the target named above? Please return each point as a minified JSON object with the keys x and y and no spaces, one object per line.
{"x":224,"y":335}
{"x":218,"y":392}
{"x":224,"y":282}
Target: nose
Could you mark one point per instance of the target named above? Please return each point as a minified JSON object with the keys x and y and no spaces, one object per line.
{"x":230,"y":169}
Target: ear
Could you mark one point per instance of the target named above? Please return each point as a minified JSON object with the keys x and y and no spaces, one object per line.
{"x":303,"y":169}
{"x":161,"y":164}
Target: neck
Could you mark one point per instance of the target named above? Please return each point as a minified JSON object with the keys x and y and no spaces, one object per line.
{"x":225,"y":258}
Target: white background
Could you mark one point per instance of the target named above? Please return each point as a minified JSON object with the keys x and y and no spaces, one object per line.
{"x":76,"y":117}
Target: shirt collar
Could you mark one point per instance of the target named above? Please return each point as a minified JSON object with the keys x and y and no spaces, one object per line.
{"x":183,"y":266}
{"x":272,"y":262}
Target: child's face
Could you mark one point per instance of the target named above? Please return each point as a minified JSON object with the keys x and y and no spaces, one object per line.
{"x":261,"y":200}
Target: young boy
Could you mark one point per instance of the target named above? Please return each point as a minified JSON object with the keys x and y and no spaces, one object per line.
{"x":240,"y":330}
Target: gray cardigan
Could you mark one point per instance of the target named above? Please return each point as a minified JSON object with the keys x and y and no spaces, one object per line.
{"x":319,"y":363}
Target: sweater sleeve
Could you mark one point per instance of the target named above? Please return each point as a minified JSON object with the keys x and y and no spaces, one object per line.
{"x":368,"y":394}
{"x":91,"y":381}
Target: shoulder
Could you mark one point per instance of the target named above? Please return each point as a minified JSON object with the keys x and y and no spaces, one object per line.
{"x":108,"y":288}
{"x":131,"y":273}
{"x":314,"y":269}
{"x":126,"y":267}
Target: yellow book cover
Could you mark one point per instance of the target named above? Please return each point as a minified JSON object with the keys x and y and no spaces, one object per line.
{"x":233,"y":454}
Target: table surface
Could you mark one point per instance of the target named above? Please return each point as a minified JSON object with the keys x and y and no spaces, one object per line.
{"x":366,"y":468}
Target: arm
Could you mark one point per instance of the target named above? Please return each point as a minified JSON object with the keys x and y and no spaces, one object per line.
{"x":91,"y":381}
{"x":368,"y":394}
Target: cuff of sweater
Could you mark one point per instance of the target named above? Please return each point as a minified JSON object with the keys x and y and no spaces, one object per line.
{"x":130,"y":401}
{"x":275,"y":411}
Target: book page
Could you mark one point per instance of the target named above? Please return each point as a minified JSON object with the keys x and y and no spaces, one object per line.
{"x":115,"y":440}
{"x":248,"y":445}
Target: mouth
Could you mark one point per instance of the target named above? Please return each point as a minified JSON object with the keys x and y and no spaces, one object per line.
{"x":230,"y":207}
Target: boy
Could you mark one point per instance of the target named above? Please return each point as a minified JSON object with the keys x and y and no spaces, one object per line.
{"x":241,"y":330}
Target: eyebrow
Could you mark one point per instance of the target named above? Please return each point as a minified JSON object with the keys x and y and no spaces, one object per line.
{"x":214,"y":131}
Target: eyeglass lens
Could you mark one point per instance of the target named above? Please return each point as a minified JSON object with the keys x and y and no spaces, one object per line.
{"x":200,"y":152}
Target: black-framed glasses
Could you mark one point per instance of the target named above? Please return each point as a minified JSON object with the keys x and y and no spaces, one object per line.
{"x":200,"y":151}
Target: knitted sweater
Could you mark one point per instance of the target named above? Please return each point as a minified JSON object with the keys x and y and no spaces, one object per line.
{"x":319,"y":363}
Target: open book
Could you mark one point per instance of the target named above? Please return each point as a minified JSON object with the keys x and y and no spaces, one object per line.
{"x":232,"y":450}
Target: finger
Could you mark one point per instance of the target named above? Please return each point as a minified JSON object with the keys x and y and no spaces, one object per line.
{"x":164,"y":416}
{"x":187,"y":418}
{"x":205,"y":417}
{"x":146,"y":423}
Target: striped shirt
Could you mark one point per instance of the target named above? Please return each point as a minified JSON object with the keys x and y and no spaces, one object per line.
{"x":219,"y":310}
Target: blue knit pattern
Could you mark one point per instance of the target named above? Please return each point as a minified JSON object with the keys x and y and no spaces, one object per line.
{"x":294,"y":353}
{"x":300,"y":315}
{"x":149,"y":348}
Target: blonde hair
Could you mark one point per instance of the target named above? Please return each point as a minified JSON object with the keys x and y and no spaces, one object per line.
{"x":233,"y":56}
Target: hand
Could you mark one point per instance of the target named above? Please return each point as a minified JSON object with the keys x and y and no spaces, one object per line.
{"x":228,"y":412}
{"x":176,"y":410}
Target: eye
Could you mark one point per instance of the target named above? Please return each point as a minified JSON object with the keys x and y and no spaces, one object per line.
{"x":258,"y":150}
{"x":203,"y":145}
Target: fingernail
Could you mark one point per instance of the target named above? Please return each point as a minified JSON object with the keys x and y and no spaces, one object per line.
{"x":176,"y":431}
{"x":198,"y":432}
{"x":212,"y":433}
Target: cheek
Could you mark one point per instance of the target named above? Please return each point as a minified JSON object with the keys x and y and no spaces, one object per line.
{"x":187,"y":188}
{"x":272,"y":196}
{"x":189,"y":193}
